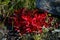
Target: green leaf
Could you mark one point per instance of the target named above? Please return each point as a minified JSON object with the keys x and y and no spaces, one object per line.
{"x":5,"y":2}
{"x":11,"y":8}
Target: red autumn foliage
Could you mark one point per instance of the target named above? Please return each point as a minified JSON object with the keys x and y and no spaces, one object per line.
{"x":28,"y":21}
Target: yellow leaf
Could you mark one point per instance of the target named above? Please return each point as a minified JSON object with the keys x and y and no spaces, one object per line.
{"x":49,"y":14}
